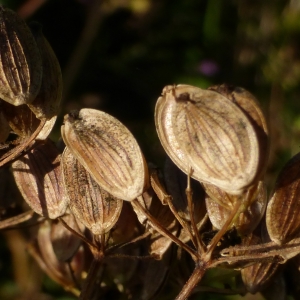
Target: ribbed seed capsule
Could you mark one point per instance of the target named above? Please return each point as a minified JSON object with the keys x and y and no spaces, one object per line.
{"x":90,"y":204}
{"x":249,"y":104}
{"x":205,"y":131}
{"x":20,"y":60}
{"x":38,"y":177}
{"x":46,"y":104}
{"x":250,"y":216}
{"x":282,"y":216}
{"x":108,"y":150}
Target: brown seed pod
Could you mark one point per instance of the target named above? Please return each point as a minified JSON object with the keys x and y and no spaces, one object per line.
{"x":249,"y":104}
{"x":257,"y":276}
{"x":282,"y":216}
{"x":46,"y":104}
{"x":205,"y":131}
{"x":91,"y":205}
{"x":20,"y":61}
{"x":250,"y":216}
{"x":39,"y":179}
{"x":108,"y":150}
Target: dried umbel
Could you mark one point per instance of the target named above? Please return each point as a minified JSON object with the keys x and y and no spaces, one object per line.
{"x":206,"y":132}
{"x":283,"y":218}
{"x":91,"y":205}
{"x":38,"y":177}
{"x":20,"y":60}
{"x":108,"y":150}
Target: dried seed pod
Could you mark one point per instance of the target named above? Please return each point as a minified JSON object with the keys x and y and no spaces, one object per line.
{"x":20,"y":119}
{"x":20,"y":61}
{"x":38,"y":177}
{"x":64,"y":242}
{"x":46,"y":104}
{"x":108,"y":150}
{"x":205,"y":131}
{"x":249,"y":104}
{"x":282,"y":216}
{"x":248,"y":219}
{"x":258,"y":275}
{"x":91,"y":205}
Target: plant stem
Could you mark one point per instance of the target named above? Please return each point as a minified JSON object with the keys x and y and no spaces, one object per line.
{"x":192,"y":282}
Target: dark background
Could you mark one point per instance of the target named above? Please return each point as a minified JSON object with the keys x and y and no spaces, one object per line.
{"x":117,"y":55}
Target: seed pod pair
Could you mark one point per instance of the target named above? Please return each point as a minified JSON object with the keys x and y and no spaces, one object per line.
{"x":108,"y":151}
{"x":208,"y":133}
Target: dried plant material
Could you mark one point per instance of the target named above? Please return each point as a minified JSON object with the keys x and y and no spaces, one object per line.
{"x":20,"y":119}
{"x":61,"y":272}
{"x":249,"y":104}
{"x":107,"y":149}
{"x":250,"y":215}
{"x":4,"y":128}
{"x":176,"y":184}
{"x":205,"y":131}
{"x":46,"y":104}
{"x":64,"y":242}
{"x":258,"y":275}
{"x":97,"y":209}
{"x":20,"y":60}
{"x":46,"y":129}
{"x":39,"y":179}
{"x":282,"y":216}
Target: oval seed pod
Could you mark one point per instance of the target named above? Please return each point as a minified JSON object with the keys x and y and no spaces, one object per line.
{"x":249,"y":104}
{"x":20,"y":61}
{"x":91,"y":205}
{"x":108,"y":150}
{"x":46,"y":104}
{"x":205,"y":131}
{"x":39,"y":179}
{"x":248,"y":219}
{"x":282,"y":216}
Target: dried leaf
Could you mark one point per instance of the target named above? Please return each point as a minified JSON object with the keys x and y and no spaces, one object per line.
{"x":205,"y":131}
{"x":20,"y":60}
{"x":39,"y":179}
{"x":107,"y":149}
{"x":282,"y":216}
{"x":91,"y":205}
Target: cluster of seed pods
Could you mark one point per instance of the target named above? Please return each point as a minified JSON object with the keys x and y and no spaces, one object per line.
{"x":92,"y":193}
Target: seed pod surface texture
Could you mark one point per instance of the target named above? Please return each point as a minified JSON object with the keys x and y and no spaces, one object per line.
{"x":20,"y":60}
{"x":205,"y":131}
{"x":108,"y":150}
{"x":282,"y":216}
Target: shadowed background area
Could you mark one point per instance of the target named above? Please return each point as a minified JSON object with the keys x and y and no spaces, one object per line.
{"x":117,"y":55}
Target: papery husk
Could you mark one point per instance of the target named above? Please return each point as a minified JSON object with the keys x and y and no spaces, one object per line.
{"x":108,"y":150}
{"x":39,"y":179}
{"x":249,"y":104}
{"x":47,"y":102}
{"x":257,"y":276}
{"x":282,"y":215}
{"x":64,"y":242}
{"x":20,"y":60}
{"x":42,"y":251}
{"x":206,"y":132}
{"x":97,"y":209}
{"x":250,"y":215}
